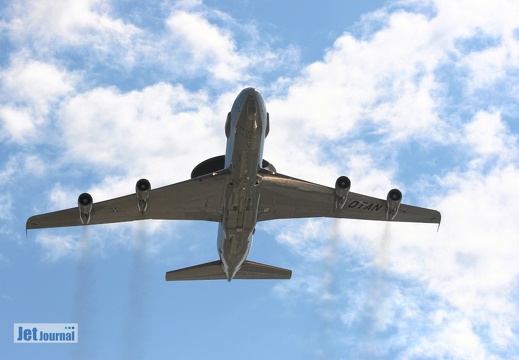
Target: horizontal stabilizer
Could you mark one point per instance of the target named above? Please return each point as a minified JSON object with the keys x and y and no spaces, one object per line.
{"x":208,"y":271}
{"x":253,"y":270}
{"x":214,"y":271}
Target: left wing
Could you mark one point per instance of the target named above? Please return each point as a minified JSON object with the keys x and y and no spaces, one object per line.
{"x":200,"y":198}
{"x":284,"y":197}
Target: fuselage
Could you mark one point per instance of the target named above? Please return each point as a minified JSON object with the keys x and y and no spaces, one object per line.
{"x":243,"y":158}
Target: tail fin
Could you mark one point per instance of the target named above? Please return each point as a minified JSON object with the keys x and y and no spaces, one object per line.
{"x":214,"y":271}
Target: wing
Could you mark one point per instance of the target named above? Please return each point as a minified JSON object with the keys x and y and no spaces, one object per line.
{"x":284,"y":197}
{"x":195,"y":199}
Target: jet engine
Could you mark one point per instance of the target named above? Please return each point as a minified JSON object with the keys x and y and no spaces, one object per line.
{"x":267,"y":130}
{"x":342,"y":189}
{"x":394,"y":198}
{"x":142,"y":189}
{"x":268,"y":166}
{"x":228,"y":125}
{"x":85,"y":203}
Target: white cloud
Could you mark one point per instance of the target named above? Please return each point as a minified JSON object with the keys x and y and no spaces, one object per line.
{"x":29,"y":88}
{"x":34,"y":165}
{"x":471,"y":264}
{"x":17,"y":124}
{"x":73,"y":22}
{"x":142,"y":132}
{"x":455,"y":338}
{"x":193,"y":41}
{"x":208,"y":47}
{"x":35,"y":82}
{"x":392,"y":84}
{"x":489,"y":138}
{"x":57,"y":247}
{"x":355,"y":110}
{"x":376,"y":79}
{"x":389,"y":81}
{"x":148,"y":237}
{"x":485,"y":46}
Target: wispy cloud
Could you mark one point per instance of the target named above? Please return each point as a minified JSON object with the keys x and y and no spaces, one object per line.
{"x":401,"y":82}
{"x":29,"y":89}
{"x":48,"y":25}
{"x":410,"y":79}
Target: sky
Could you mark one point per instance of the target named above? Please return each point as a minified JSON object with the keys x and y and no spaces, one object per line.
{"x":419,"y":95}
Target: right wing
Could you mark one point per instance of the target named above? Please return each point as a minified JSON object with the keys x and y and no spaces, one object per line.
{"x":284,"y":197}
{"x":200,"y":198}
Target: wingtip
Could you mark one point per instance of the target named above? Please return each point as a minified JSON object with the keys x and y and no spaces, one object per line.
{"x":27,"y":226}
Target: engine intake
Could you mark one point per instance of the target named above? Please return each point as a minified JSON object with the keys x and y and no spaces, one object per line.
{"x":342,"y":189}
{"x":142,"y":189}
{"x":394,"y":198}
{"x":85,"y":203}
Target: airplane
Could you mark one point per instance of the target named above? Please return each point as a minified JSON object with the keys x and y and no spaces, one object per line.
{"x":237,"y":190}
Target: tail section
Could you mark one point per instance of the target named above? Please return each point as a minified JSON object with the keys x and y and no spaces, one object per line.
{"x":214,"y":271}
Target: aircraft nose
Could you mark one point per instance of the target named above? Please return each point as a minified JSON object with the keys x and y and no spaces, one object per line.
{"x":251,"y":107}
{"x":250,"y":90}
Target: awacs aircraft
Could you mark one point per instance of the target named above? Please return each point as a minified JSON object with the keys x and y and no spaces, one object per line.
{"x":237,"y":190}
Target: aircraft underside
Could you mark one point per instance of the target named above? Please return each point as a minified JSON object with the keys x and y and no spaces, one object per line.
{"x":237,"y":190}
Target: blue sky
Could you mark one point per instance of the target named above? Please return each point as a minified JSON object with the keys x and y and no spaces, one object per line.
{"x":420,"y":95}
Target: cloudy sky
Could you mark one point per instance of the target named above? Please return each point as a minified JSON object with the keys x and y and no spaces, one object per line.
{"x":420,"y":95}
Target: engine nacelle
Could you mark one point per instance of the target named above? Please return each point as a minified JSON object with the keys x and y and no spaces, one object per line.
{"x":85,"y":203}
{"x":342,"y":189}
{"x":394,"y":198}
{"x":228,"y":126}
{"x":267,"y":130}
{"x":142,"y":189}
{"x":268,"y":166}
